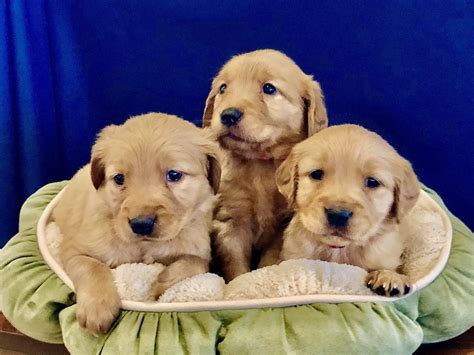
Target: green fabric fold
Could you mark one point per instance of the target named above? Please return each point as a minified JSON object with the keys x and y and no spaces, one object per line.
{"x":31,"y":294}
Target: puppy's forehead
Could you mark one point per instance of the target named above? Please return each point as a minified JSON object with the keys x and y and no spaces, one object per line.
{"x":347,"y":145}
{"x":151,"y":137}
{"x":160,"y":156}
{"x":188,"y":152}
{"x":261,"y":65}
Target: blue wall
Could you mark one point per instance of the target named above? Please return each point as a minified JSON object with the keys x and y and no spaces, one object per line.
{"x":67,"y":68}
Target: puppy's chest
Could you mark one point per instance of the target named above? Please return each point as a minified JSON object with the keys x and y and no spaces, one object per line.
{"x":249,"y":195}
{"x":268,"y":206}
{"x":123,"y":253}
{"x":167,"y":252}
{"x":345,"y":255}
{"x":149,"y":252}
{"x":363,"y":257}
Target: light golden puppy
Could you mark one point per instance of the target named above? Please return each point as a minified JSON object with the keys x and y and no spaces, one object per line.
{"x":260,"y":104}
{"x":349,"y":189}
{"x":146,"y":196}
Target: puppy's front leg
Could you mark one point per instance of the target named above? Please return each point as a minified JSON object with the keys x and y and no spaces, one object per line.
{"x":234,"y":248}
{"x":98,"y":302}
{"x":186,"y":266}
{"x":271,"y":253}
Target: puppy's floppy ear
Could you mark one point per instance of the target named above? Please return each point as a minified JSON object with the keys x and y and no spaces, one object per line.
{"x":214,"y":172}
{"x":209,"y":109}
{"x":315,"y":110}
{"x":214,"y":158}
{"x":97,"y":162}
{"x":406,"y":191}
{"x":286,"y":178}
{"x":97,"y":172}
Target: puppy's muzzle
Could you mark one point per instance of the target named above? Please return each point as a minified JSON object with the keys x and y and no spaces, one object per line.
{"x":142,"y":225}
{"x":338,"y":217}
{"x":231,"y":116}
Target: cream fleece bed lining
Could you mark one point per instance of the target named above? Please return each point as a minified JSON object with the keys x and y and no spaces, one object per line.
{"x":293,"y":282}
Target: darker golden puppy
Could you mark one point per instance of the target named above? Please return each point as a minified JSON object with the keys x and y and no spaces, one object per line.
{"x":259,"y":106}
{"x":147,"y":196}
{"x":349,"y":189}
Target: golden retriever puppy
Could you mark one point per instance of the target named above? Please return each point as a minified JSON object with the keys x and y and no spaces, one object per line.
{"x":349,"y":189}
{"x":146,"y":196}
{"x":260,"y":104}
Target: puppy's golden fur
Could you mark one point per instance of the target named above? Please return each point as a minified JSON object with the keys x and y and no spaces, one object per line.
{"x":95,"y":211}
{"x":250,"y":209}
{"x":346,"y":156}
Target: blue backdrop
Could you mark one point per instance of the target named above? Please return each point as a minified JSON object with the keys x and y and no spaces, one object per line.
{"x":67,"y":68}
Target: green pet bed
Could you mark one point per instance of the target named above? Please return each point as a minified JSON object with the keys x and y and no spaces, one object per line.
{"x":40,"y":304}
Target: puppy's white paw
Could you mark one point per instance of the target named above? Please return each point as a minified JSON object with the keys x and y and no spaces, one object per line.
{"x":97,"y":312}
{"x":388,"y":283}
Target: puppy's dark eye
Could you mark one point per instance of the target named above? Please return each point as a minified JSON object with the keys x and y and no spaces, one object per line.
{"x":372,"y":183}
{"x":119,"y":179}
{"x":174,"y":175}
{"x":317,"y":174}
{"x":222,"y":88}
{"x":269,"y":89}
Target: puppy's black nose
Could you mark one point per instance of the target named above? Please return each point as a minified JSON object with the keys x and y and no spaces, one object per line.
{"x":338,"y":217}
{"x":142,"y":225}
{"x":230,"y":116}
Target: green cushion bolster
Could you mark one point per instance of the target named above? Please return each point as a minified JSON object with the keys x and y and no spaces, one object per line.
{"x":446,"y":307}
{"x":363,"y":328}
{"x":31,"y":293}
{"x":34,"y":206}
{"x":355,"y":328}
{"x":145,"y":333}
